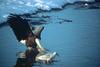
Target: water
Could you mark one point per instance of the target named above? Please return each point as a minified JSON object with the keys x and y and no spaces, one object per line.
{"x":76,"y":42}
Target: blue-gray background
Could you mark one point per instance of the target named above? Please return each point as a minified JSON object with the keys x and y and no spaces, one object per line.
{"x":78,"y":42}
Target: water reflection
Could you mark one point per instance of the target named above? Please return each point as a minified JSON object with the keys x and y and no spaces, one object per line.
{"x":22,"y":61}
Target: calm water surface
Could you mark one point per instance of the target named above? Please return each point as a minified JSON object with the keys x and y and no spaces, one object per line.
{"x":77,"y":42}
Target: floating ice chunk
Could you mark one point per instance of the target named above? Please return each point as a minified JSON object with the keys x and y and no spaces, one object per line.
{"x":20,"y":2}
{"x":86,"y":4}
{"x":7,"y":3}
{"x":39,"y":1}
{"x":86,"y":0}
{"x":49,"y":4}
{"x":14,"y":8}
{"x":29,"y":4}
{"x":42,"y":6}
{"x":5,"y":16}
{"x":14,"y":0}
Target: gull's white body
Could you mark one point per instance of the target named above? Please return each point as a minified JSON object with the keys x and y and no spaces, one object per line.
{"x":47,"y":57}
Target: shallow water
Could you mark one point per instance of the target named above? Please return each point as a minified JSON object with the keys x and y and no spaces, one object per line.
{"x":76,"y":42}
